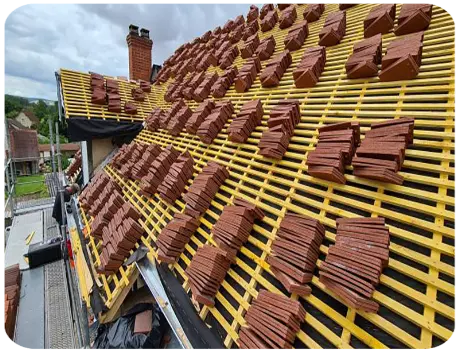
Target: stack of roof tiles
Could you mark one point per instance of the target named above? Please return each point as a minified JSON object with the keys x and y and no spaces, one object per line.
{"x":112,"y":86}
{"x":177,"y":178}
{"x":228,"y":57}
{"x":212,"y":125}
{"x":311,"y":66}
{"x":178,"y":121}
{"x":119,"y":237}
{"x":94,"y":196}
{"x":282,"y":7}
{"x":138,"y":94}
{"x":145,"y":86}
{"x":273,"y":320}
{"x":224,"y":82}
{"x":247,"y":74}
{"x":265,"y":9}
{"x":354,"y":264}
{"x":130,"y":158}
{"x":269,"y":21}
{"x":98,"y":95}
{"x":380,"y":20}
{"x":114,"y":102}
{"x":312,"y":12}
{"x":275,"y":69}
{"x":413,"y":18}
{"x":288,"y":16}
{"x":282,"y":122}
{"x":158,"y":171}
{"x":153,"y":120}
{"x":130,"y":108}
{"x":75,"y":165}
{"x":266,"y":48}
{"x":206,"y":61}
{"x":236,"y":34}
{"x":141,"y":168}
{"x":250,"y":45}
{"x":250,"y":29}
{"x":253,"y":13}
{"x":403,"y":58}
{"x":296,"y":36}
{"x":346,"y":4}
{"x":245,"y":122}
{"x":203,"y":90}
{"x":193,"y":84}
{"x":295,"y":251}
{"x":365,"y":58}
{"x":382,"y":152}
{"x":199,"y":115}
{"x":204,"y":188}
{"x":335,"y":149}
{"x":110,"y":205}
{"x":233,"y":227}
{"x":12,"y":291}
{"x":174,"y":237}
{"x":175,"y":108}
{"x":206,"y":272}
{"x":334,"y":29}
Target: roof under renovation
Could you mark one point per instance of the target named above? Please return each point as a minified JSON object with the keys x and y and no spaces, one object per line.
{"x":415,"y":291}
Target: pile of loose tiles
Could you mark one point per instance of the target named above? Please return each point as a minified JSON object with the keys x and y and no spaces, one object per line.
{"x":174,"y":237}
{"x":158,"y":171}
{"x":204,"y":188}
{"x":206,"y":272}
{"x":266,"y":48}
{"x":382,"y":152}
{"x":247,"y":74}
{"x":413,"y":18}
{"x":153,"y":120}
{"x":334,"y":29}
{"x":296,"y":36}
{"x":177,"y":178}
{"x":281,"y":123}
{"x":141,"y":168}
{"x":250,"y":45}
{"x":178,"y":121}
{"x":212,"y":125}
{"x":224,"y":82}
{"x":199,"y":115}
{"x":119,"y":235}
{"x":269,"y":21}
{"x":233,"y":227}
{"x":203,"y":90}
{"x":403,"y":58}
{"x":12,"y":291}
{"x":275,"y":69}
{"x":380,"y":20}
{"x":245,"y":122}
{"x":96,"y":194}
{"x":294,"y":252}
{"x":311,"y":66}
{"x":335,"y":149}
{"x":365,"y":58}
{"x":313,"y":12}
{"x":354,"y":263}
{"x":273,"y":320}
{"x":287,"y":17}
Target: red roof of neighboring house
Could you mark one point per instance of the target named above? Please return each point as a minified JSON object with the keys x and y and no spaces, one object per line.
{"x":67,"y":147}
{"x":31,"y":116}
{"x":24,"y":144}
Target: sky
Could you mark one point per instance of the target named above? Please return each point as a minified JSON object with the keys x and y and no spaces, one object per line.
{"x":41,"y":39}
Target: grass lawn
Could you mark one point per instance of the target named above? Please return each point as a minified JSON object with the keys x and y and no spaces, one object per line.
{"x":38,"y":186}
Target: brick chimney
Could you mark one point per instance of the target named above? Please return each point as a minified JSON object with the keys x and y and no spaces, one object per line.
{"x":139,"y":53}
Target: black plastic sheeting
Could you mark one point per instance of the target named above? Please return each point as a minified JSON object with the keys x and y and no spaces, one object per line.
{"x":120,"y":333}
{"x":83,"y":129}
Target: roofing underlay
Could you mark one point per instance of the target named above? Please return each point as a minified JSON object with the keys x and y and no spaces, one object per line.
{"x":417,"y":290}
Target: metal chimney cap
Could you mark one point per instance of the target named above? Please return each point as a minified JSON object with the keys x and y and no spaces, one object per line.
{"x":133,"y":29}
{"x":145,"y":33}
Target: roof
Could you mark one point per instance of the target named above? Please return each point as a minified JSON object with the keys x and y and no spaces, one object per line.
{"x":67,"y":147}
{"x":24,"y":144}
{"x":16,"y":124}
{"x":31,"y":116}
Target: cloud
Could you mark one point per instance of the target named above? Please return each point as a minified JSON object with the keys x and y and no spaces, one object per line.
{"x":41,"y":39}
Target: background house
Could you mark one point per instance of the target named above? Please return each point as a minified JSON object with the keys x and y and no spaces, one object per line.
{"x":68,"y":150}
{"x":27,"y":119}
{"x":24,"y":148}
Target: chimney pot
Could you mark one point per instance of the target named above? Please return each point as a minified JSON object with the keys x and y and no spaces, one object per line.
{"x":145,"y":33}
{"x":133,"y":29}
